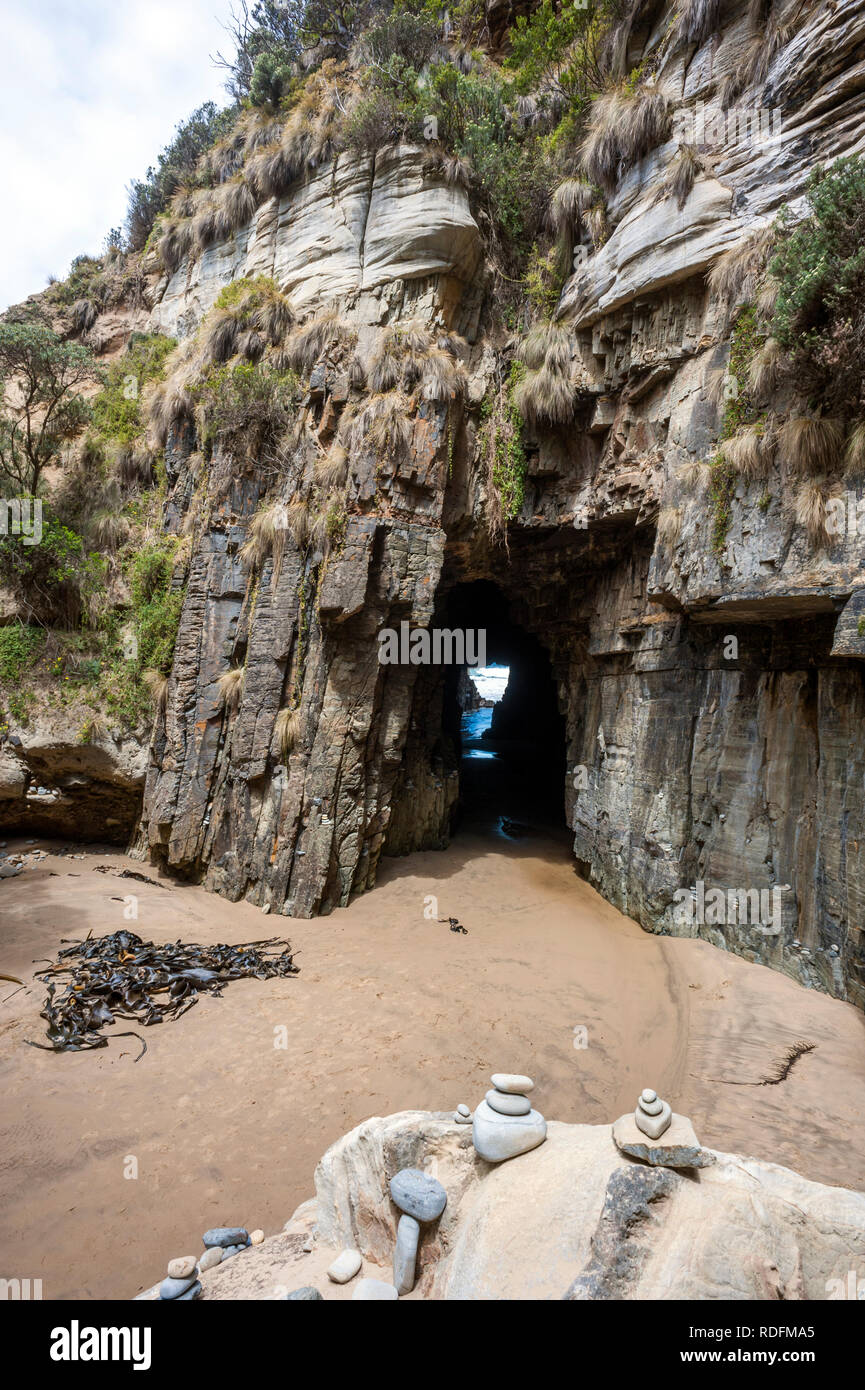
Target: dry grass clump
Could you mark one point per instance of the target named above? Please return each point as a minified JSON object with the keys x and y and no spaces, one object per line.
{"x":297,"y":522}
{"x":230,"y":687}
{"x":109,"y":530}
{"x":260,"y":318}
{"x":570,"y":202}
{"x":443,"y":378}
{"x":735,"y":274}
{"x":385,"y":422}
{"x":681,"y":175}
{"x":809,"y":509}
{"x":266,"y":537}
{"x":764,"y":369}
{"x":174,"y":243}
{"x":750,"y":451}
{"x":694,"y":474}
{"x":134,"y":468}
{"x":407,"y":357}
{"x":854,"y":455}
{"x":753,"y":66}
{"x":669,"y":527}
{"x":287,"y":730}
{"x":697,"y":20}
{"x":306,"y":344}
{"x":811,"y":444}
{"x":331,"y":470}
{"x":168,"y":404}
{"x":624,"y":125}
{"x":545,"y":392}
{"x":157,"y":685}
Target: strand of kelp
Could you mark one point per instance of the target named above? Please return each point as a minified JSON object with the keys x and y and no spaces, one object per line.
{"x":105,"y":978}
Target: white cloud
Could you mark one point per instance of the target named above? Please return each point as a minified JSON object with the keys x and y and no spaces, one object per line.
{"x":90,"y":92}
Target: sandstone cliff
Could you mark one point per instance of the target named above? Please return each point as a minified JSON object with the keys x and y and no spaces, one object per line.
{"x":737,"y":765}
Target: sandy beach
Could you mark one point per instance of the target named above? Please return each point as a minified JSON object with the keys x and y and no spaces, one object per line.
{"x":390,"y":1011}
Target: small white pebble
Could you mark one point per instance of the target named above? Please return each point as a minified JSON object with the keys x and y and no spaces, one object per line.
{"x":182,"y":1267}
{"x":256,"y":1237}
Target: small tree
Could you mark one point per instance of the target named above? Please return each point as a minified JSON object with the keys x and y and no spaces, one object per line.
{"x":40,"y":403}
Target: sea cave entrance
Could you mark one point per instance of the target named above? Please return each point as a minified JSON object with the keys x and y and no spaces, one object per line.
{"x":504,"y":722}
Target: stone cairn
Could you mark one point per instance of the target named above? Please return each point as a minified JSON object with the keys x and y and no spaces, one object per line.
{"x":504,"y":1123}
{"x":653,"y":1116}
{"x":182,"y":1284}
{"x":421,"y":1199}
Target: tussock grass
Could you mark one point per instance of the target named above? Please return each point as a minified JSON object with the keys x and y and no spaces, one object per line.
{"x":764,"y":368}
{"x":158,"y":686}
{"x":681,"y":175}
{"x":287,"y":730}
{"x":624,"y":125}
{"x":697,"y":20}
{"x":854,"y":454}
{"x":442,"y":377}
{"x":265,"y":537}
{"x":809,"y":508}
{"x":669,"y":527}
{"x":384,"y":421}
{"x":570,"y":202}
{"x":308,"y":343}
{"x":297,"y":522}
{"x":694,"y":475}
{"x":811,"y":444}
{"x":735,"y":274}
{"x":750,"y":451}
{"x":331,"y":470}
{"x":230,"y":689}
{"x":545,"y":397}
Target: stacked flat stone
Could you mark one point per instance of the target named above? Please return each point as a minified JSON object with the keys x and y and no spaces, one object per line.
{"x":181,"y":1282}
{"x":422,"y":1200}
{"x":504,"y":1123}
{"x":230,"y":1240}
{"x":653,"y":1116}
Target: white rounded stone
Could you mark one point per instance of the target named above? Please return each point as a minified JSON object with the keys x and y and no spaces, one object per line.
{"x":210,"y":1259}
{"x":507,"y":1103}
{"x":497,"y":1137}
{"x":463,"y":1110}
{"x":345,"y":1266}
{"x":512,"y":1085}
{"x":374,"y":1291}
{"x":182,"y":1267}
{"x":256,"y":1237}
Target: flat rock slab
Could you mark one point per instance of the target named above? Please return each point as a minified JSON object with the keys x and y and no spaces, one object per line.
{"x":225,"y":1236}
{"x":678,"y":1146}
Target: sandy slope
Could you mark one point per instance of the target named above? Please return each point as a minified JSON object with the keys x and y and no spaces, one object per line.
{"x":390,"y":1012}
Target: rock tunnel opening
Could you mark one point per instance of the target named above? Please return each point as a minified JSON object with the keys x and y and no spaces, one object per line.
{"x":511,"y":750}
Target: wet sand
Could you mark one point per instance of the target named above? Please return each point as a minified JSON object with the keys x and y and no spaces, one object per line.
{"x":391,"y":1011}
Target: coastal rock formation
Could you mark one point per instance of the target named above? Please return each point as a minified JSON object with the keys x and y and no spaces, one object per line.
{"x":593,"y":1224}
{"x":703,"y":652}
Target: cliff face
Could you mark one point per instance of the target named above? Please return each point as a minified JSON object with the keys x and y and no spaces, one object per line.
{"x":735,"y":763}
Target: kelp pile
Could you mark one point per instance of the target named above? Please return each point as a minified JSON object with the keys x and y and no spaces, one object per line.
{"x":105,"y":978}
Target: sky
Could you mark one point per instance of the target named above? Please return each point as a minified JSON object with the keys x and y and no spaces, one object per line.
{"x":90,"y":92}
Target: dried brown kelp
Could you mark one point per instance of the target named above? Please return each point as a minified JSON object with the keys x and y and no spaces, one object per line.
{"x":122,"y":977}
